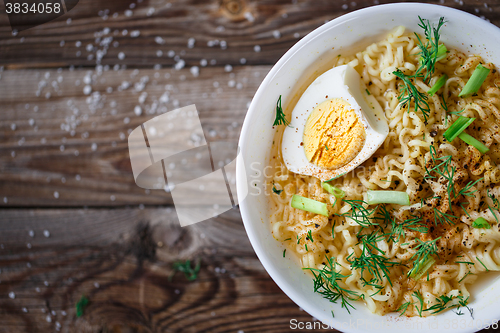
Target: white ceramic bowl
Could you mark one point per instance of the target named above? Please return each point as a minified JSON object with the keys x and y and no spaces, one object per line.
{"x":347,"y":34}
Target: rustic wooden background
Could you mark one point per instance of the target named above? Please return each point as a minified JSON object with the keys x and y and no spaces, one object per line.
{"x":72,"y":220}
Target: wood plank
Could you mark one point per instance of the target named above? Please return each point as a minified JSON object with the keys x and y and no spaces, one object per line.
{"x":37,"y":158}
{"x":121,"y":259}
{"x":273,"y":26}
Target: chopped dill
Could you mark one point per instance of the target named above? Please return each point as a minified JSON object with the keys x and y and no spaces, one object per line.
{"x":81,"y":305}
{"x":464,"y":262}
{"x":371,"y":259}
{"x":443,"y":218}
{"x":309,"y":236}
{"x":441,"y":305}
{"x":278,"y":192}
{"x":464,"y":276}
{"x":420,"y":298}
{"x":284,"y":252}
{"x":483,"y":264}
{"x":191,"y":273}
{"x":359,"y":213}
{"x":428,"y":55}
{"x":496,"y":204}
{"x":404,"y":307}
{"x":280,"y":115}
{"x":457,"y":113}
{"x":298,"y":239}
{"x":423,"y":251}
{"x":326,"y":284}
{"x":410,"y":92}
{"x":429,"y":51}
{"x":466,"y":191}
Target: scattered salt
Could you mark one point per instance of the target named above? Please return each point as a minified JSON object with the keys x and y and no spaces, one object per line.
{"x":46,"y":233}
{"x":195,"y":70}
{"x":137,"y":110}
{"x":179,"y":64}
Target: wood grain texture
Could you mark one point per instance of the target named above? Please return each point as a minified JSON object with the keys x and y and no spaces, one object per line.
{"x":37,"y":158}
{"x":72,"y":220}
{"x":121,"y":260}
{"x":240,"y":24}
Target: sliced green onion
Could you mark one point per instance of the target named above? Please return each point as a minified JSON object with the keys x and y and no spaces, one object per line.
{"x":441,"y":54}
{"x":474,"y":142}
{"x":481,"y":223}
{"x":392,"y":197}
{"x":439,"y":83}
{"x":457,"y":127}
{"x":309,"y":205}
{"x":335,"y":191}
{"x":476,"y":80}
{"x":416,"y":275}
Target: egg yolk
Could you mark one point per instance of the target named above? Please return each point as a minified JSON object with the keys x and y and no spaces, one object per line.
{"x":333,"y":134}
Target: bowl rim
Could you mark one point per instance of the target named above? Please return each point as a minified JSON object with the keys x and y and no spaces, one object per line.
{"x":244,"y":137}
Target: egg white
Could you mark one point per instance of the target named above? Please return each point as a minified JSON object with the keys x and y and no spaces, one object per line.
{"x":339,"y":82}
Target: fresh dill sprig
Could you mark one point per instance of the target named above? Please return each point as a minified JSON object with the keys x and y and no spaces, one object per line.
{"x":466,"y":191}
{"x":457,"y":113}
{"x":420,"y":298}
{"x":397,"y":230}
{"x":359,"y":213}
{"x":191,"y":273}
{"x":309,"y":236}
{"x":442,"y":169}
{"x":326,"y":284}
{"x":404,"y":307}
{"x":443,"y":218}
{"x":429,"y":50}
{"x":441,"y":304}
{"x":370,"y":261}
{"x":280,"y":115}
{"x":423,"y":251}
{"x":410,"y":92}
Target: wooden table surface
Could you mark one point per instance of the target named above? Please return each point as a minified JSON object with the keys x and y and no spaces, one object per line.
{"x":72,"y":220}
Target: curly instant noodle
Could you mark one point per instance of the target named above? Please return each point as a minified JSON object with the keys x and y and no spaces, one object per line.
{"x":411,"y":159}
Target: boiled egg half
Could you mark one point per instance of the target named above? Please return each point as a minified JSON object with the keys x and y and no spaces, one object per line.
{"x":336,"y":125}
